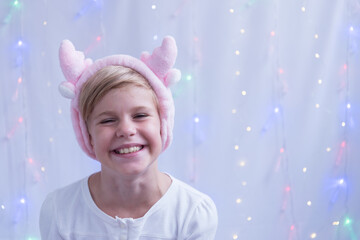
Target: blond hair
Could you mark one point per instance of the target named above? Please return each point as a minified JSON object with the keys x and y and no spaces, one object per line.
{"x":106,"y":79}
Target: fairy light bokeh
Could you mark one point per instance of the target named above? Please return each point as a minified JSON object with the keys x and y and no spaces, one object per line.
{"x":267,"y":111}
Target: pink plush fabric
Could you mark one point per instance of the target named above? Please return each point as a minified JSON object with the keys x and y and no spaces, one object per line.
{"x":157,"y":68}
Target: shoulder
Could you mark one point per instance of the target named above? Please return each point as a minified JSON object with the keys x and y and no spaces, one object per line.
{"x":53,"y":207}
{"x":64,"y":198}
{"x":191,"y":195}
{"x":201,"y":215}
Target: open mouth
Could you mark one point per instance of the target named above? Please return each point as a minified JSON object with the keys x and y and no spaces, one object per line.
{"x":128,"y":150}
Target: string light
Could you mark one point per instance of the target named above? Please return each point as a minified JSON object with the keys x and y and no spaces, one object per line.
{"x":20,"y":43}
{"x":347,"y":221}
{"x":22,"y":201}
{"x":317,"y":55}
{"x":196,"y":119}
{"x":242,"y":163}
{"x":238,"y":200}
{"x":248,"y":129}
{"x":316,"y":36}
{"x":308,"y":203}
{"x":235,"y":236}
{"x":153,"y":7}
{"x":188,"y":77}
{"x":303,"y":9}
{"x":2,"y":207}
{"x":86,"y":8}
{"x":16,"y":3}
{"x":335,"y":223}
{"x":236,"y":147}
{"x":242,"y":31}
{"x":243,"y":93}
{"x":231,"y":10}
{"x":304,"y":170}
{"x":233,"y":111}
{"x":313,"y":235}
{"x":320,"y":81}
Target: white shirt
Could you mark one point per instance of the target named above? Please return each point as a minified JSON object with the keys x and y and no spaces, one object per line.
{"x":182,"y":213}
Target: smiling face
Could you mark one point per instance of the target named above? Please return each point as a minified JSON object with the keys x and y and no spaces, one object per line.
{"x":124,"y":129}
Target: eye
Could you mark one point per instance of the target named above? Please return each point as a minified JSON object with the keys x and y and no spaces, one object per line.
{"x":140,"y":115}
{"x":108,"y":120}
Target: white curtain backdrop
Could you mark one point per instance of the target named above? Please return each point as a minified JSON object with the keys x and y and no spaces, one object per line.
{"x":267,"y":111}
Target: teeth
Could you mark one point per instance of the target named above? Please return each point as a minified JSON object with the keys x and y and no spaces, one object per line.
{"x":127,"y":150}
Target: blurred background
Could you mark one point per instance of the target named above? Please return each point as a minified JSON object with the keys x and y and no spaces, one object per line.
{"x":267,"y":111}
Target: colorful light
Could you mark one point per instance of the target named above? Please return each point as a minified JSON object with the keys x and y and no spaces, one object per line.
{"x":347,"y":221}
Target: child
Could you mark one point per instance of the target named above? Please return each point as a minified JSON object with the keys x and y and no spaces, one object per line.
{"x":123,"y":113}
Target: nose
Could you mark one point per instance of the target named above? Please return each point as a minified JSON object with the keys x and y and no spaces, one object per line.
{"x":125,"y":128}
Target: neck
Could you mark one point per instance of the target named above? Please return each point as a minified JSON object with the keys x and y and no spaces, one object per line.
{"x":127,"y":197}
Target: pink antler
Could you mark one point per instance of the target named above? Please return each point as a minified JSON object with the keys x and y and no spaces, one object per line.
{"x":162,"y":60}
{"x":73,"y":64}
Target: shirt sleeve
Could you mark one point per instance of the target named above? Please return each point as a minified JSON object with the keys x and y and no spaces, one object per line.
{"x":47,"y":221}
{"x":202,"y":224}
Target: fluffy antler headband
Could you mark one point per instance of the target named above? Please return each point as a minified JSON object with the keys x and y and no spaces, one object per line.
{"x":157,"y":68}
